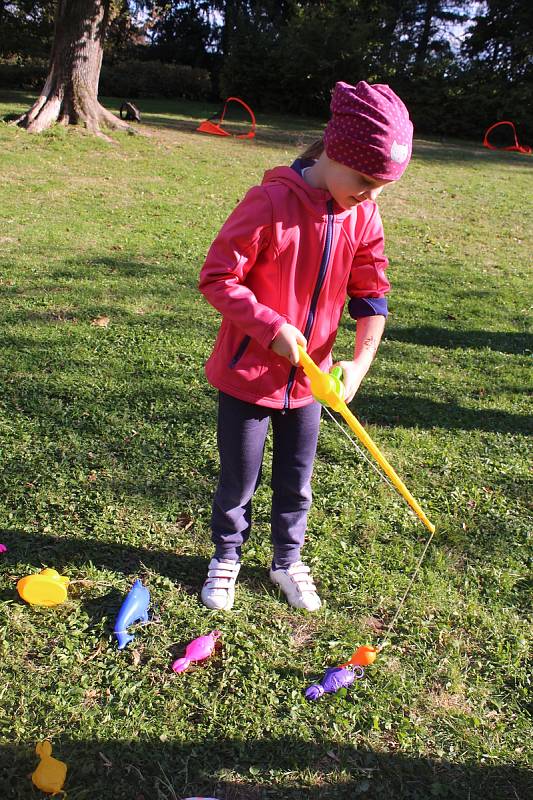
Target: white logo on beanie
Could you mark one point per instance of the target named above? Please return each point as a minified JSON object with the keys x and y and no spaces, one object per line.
{"x":399,"y":152}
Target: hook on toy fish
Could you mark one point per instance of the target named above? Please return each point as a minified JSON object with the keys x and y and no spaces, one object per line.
{"x":327,"y":388}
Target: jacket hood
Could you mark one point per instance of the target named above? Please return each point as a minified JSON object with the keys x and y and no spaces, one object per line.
{"x":314,"y":200}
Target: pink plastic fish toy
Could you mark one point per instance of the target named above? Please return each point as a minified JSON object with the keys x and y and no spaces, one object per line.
{"x":197,"y":650}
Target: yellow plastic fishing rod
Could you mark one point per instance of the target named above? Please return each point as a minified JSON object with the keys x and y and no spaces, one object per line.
{"x":328,"y":389}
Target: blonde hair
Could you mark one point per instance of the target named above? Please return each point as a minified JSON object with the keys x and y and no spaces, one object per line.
{"x":314,"y":150}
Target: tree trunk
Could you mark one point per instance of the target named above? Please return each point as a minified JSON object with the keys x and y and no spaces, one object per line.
{"x":70,"y":94}
{"x":228,"y":27}
{"x":430,"y":9}
{"x":392,"y":15}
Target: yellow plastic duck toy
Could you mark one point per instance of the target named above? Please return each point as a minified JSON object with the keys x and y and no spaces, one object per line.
{"x":50,"y":773}
{"x":46,"y":588}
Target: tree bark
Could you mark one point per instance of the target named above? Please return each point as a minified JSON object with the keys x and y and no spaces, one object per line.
{"x":70,"y":93}
{"x":229,"y":26}
{"x":392,"y":16}
{"x":430,"y":9}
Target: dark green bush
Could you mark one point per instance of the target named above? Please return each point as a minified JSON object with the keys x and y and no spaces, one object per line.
{"x":465,"y":106}
{"x":122,"y":79}
{"x":27,"y":75}
{"x":154,"y":79}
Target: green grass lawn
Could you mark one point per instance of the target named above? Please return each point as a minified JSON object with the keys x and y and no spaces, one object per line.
{"x":108,"y":464}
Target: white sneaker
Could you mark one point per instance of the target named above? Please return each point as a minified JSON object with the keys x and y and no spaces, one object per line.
{"x":296,"y":582}
{"x":218,"y":591}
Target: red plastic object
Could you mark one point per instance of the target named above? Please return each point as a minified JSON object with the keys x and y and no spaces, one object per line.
{"x":212,"y":127}
{"x":216,"y":129}
{"x":516,"y":147}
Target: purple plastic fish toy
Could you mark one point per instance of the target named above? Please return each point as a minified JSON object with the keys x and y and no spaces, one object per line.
{"x":335,"y":678}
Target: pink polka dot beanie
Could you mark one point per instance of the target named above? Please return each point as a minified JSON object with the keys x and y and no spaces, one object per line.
{"x":369,"y":130}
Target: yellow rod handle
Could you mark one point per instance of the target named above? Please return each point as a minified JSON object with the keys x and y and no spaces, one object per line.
{"x":323,"y":388}
{"x":308,"y":365}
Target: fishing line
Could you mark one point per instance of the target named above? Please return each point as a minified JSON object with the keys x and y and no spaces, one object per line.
{"x":384,"y":478}
{"x":360,"y":450}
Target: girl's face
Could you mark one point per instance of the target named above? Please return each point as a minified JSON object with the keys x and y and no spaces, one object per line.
{"x":349,"y":187}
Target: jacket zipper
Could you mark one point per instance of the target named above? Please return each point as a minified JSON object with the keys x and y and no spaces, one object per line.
{"x":314,"y":300}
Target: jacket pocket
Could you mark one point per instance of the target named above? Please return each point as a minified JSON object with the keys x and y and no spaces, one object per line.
{"x":240,"y":351}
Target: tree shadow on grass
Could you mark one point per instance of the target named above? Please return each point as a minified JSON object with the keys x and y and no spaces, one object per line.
{"x":457,"y":151}
{"x":282,"y":136}
{"x":65,"y":552}
{"x":37,"y":398}
{"x":270,"y":129}
{"x":230,"y":769}
{"x":499,"y":341}
{"x":16,"y":98}
{"x":422,"y":412}
{"x":125,"y":267}
{"x":74,"y":554}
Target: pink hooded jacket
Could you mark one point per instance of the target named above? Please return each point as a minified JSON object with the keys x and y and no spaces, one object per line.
{"x":287,"y":253}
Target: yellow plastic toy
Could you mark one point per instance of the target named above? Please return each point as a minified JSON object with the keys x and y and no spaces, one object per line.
{"x":50,"y":773}
{"x":327,"y":388}
{"x":46,"y":588}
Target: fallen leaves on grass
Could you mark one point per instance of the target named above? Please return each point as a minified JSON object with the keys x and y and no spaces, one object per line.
{"x":101,"y":322}
{"x":440,"y":699}
{"x":375,"y":624}
{"x":303,"y":633}
{"x":90,"y":698}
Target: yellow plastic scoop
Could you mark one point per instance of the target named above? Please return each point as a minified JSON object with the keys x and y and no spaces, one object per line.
{"x":328,"y":389}
{"x":50,"y":774}
{"x":46,"y":588}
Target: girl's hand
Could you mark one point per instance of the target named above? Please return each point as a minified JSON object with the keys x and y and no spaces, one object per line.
{"x":286,"y":342}
{"x":352,"y":375}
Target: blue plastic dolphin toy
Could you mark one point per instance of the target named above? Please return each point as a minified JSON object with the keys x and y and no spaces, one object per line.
{"x":133,"y":609}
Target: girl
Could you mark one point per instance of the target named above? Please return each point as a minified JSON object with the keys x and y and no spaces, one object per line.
{"x":279,"y":272}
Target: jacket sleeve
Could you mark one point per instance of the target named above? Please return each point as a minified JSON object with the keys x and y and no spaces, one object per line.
{"x":368,"y":284}
{"x":246,"y":232}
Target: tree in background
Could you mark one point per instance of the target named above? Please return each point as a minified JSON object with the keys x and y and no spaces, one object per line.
{"x":250,"y":45}
{"x":498,"y":69}
{"x":70,"y":93}
{"x":183,"y":32}
{"x":280,"y":55}
{"x":26,"y":27}
{"x":126,"y":33}
{"x":501,"y":39}
{"x":310,"y":45}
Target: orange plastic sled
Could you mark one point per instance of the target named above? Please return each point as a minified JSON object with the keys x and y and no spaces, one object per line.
{"x":216,"y":129}
{"x":518,"y":148}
